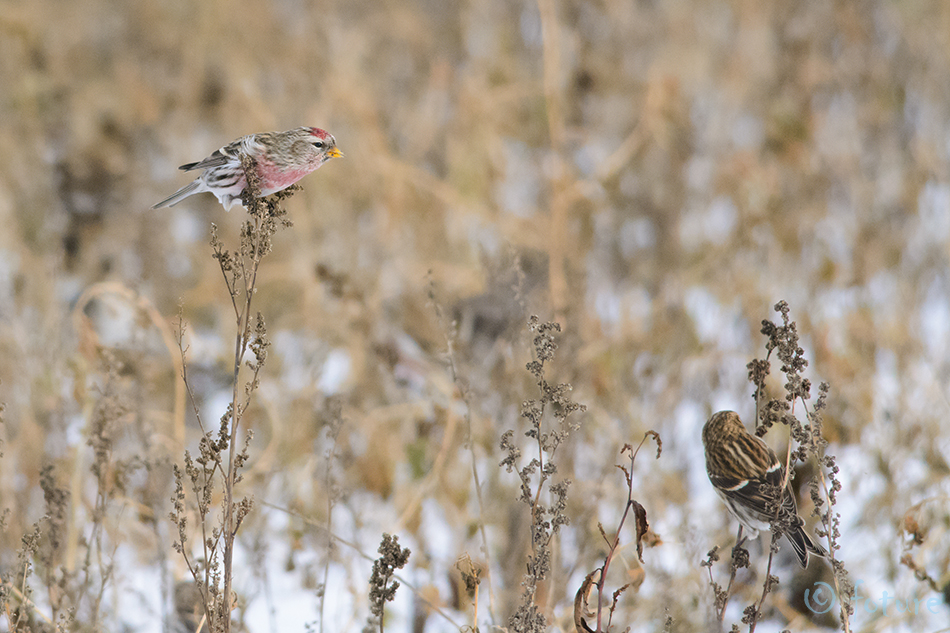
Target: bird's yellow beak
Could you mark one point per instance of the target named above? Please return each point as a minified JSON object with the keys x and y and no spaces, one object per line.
{"x":335,"y":153}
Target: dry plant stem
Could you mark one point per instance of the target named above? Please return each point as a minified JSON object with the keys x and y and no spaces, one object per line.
{"x":816,"y":449}
{"x":613,"y":545}
{"x":546,"y":520}
{"x":756,"y":610}
{"x":783,"y":338}
{"x":82,"y":323}
{"x":475,"y":608}
{"x":845,"y":619}
{"x":612,"y":549}
{"x":419,"y":593}
{"x":240,"y":345}
{"x":759,"y":394}
{"x":183,"y":351}
{"x":767,"y":584}
{"x":333,"y":435}
{"x":242,"y":317}
{"x":734,"y":558}
{"x":239,"y":270}
{"x":845,"y":615}
{"x":481,"y":515}
{"x":382,"y":585}
{"x":206,"y":476}
{"x":456,"y":379}
{"x":551,"y":41}
{"x":326,"y":565}
{"x":25,"y":600}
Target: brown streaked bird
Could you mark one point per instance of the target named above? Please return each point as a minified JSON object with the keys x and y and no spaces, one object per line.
{"x":280,"y":159}
{"x":742,"y":469}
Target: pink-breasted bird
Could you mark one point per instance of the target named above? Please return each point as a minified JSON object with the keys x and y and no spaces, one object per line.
{"x":281,"y":158}
{"x":745,"y":472}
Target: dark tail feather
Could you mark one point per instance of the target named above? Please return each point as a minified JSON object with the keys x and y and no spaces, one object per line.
{"x":803,"y":545}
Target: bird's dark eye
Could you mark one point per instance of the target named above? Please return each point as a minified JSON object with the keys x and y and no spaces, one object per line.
{"x":318,"y":144}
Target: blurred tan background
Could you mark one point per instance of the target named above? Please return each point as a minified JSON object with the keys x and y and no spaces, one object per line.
{"x":653,"y":175}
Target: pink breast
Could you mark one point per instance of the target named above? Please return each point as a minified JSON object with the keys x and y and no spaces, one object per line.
{"x":274,"y":179}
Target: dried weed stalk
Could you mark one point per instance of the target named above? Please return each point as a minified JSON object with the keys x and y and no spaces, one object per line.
{"x":67,"y":552}
{"x":212,"y":569}
{"x":783,"y":340}
{"x":334,"y":417}
{"x":449,"y":334}
{"x":598,"y":578}
{"x":546,"y":518}
{"x":382,"y":586}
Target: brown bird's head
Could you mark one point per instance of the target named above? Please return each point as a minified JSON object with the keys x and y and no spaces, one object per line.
{"x":310,"y":146}
{"x":733,"y":453}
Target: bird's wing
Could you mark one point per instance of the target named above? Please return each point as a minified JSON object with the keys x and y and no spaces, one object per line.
{"x":750,"y":473}
{"x":227,"y":154}
{"x":754,"y":494}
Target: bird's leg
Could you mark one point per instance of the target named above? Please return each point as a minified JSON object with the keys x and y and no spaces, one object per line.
{"x":740,"y":538}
